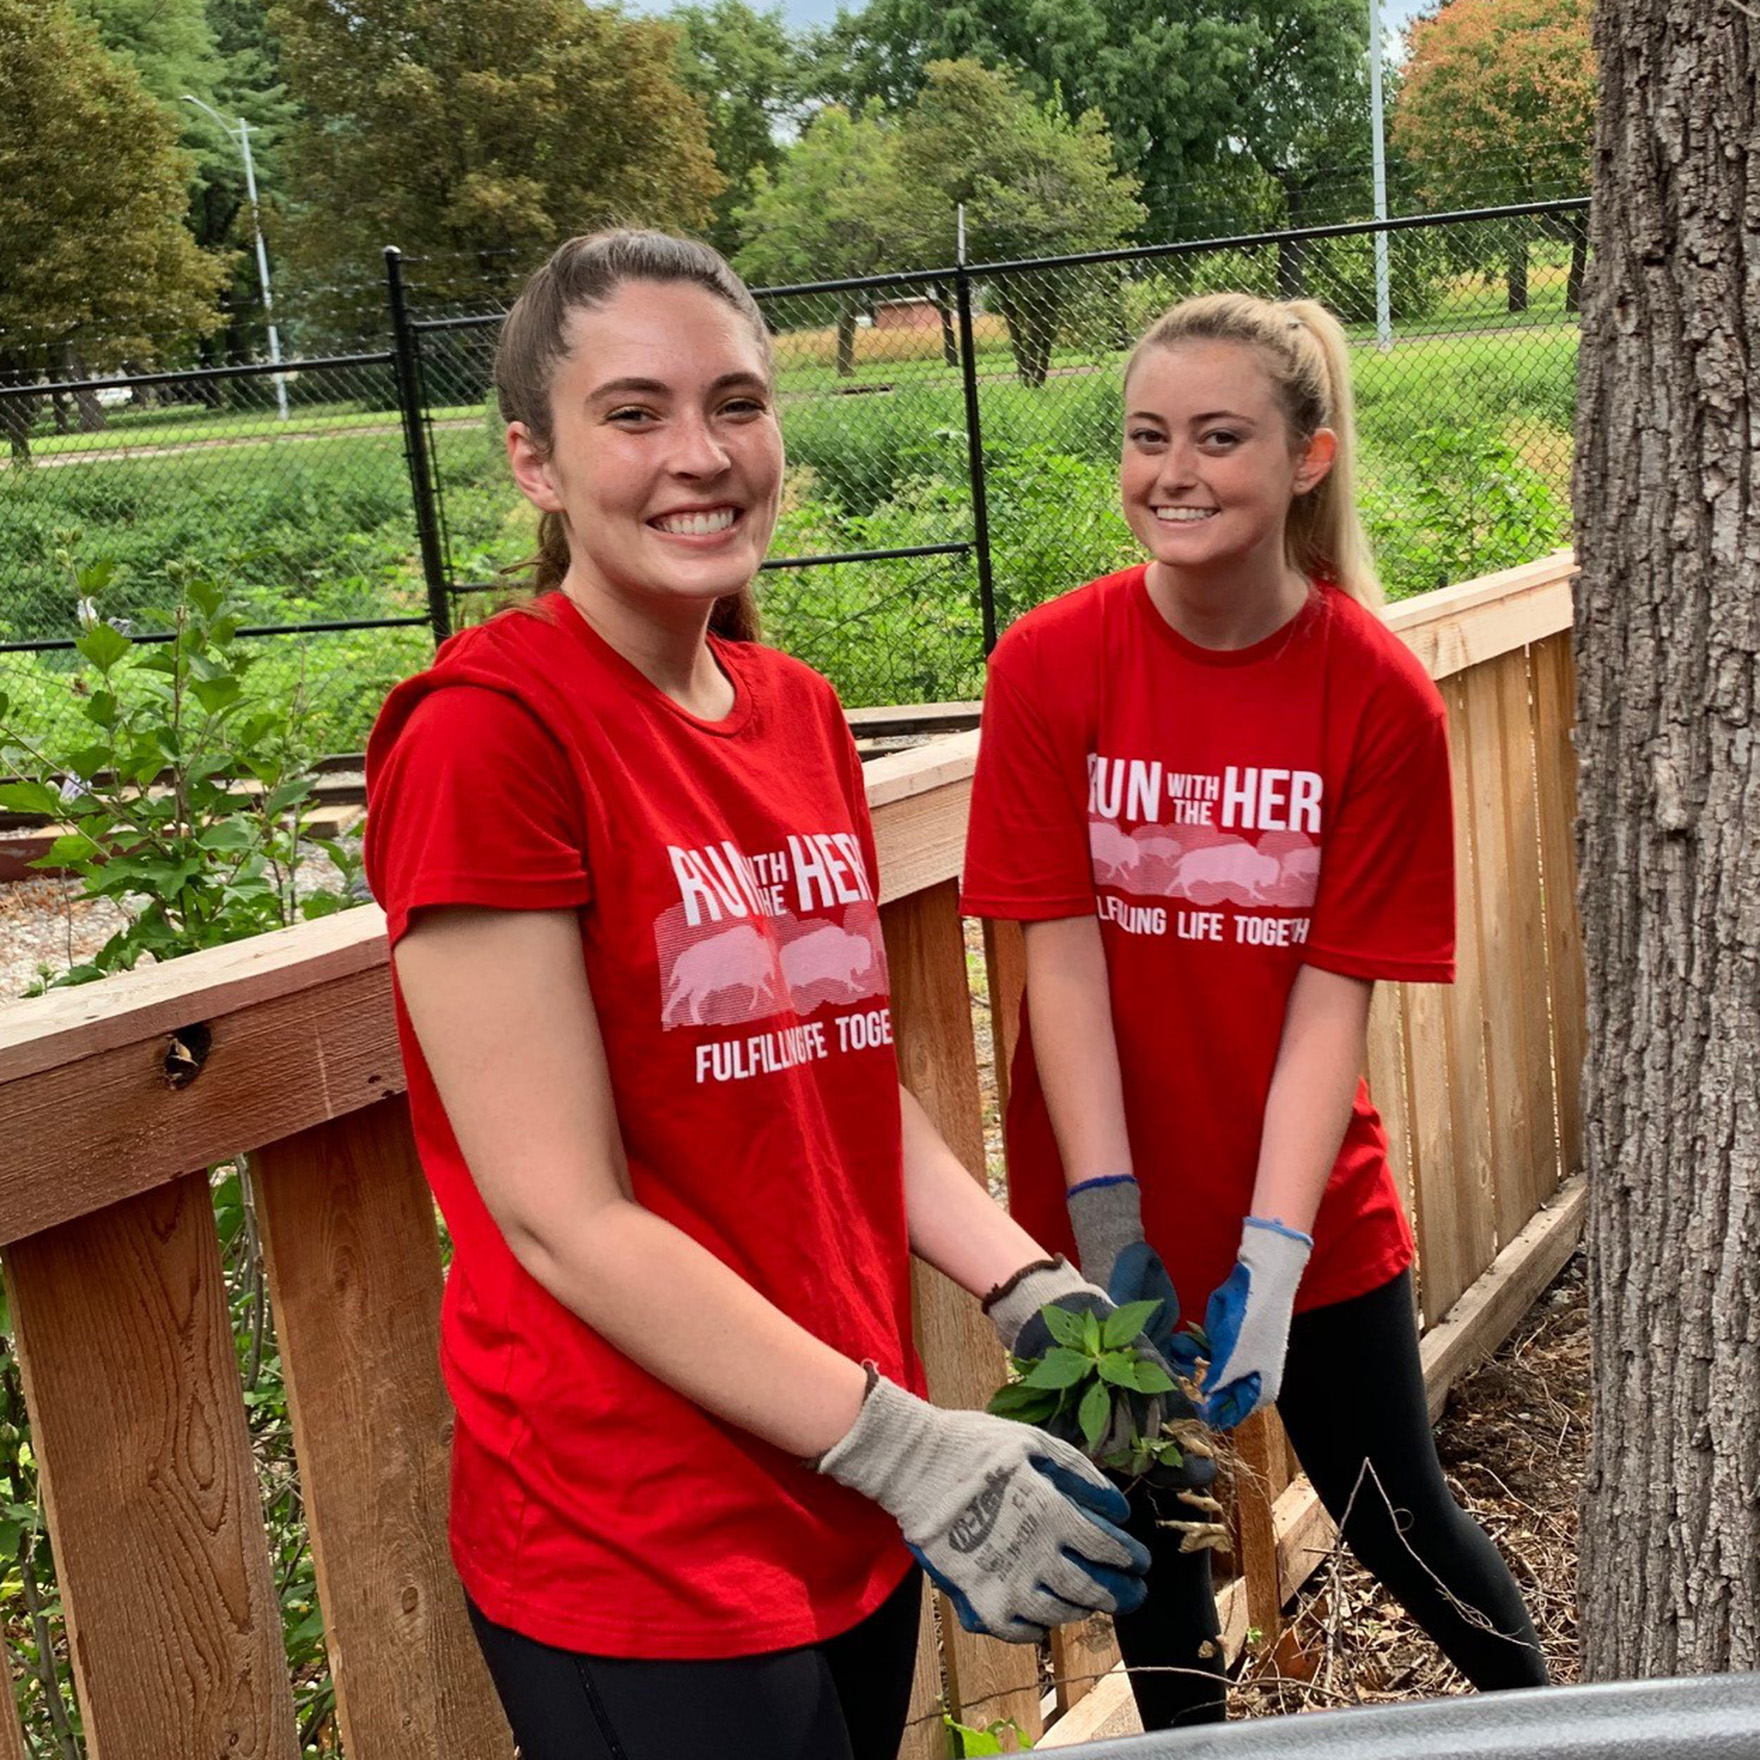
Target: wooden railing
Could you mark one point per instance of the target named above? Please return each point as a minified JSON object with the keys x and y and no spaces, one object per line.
{"x":116,"y":1097}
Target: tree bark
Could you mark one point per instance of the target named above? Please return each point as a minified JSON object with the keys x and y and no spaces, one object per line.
{"x":846,"y":338}
{"x":1516,"y":266}
{"x":1668,"y":645}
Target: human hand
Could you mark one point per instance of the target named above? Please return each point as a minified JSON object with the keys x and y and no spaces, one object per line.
{"x":1019,"y":1530}
{"x":1248,"y":1320}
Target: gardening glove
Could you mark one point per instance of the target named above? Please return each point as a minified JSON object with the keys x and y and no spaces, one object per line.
{"x":1248,"y":1322}
{"x":1107,"y":1217}
{"x":1016,"y":1527}
{"x":1016,"y":1310}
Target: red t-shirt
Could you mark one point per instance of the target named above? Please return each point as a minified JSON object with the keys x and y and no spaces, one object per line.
{"x":724,"y":877}
{"x":1230,"y":816}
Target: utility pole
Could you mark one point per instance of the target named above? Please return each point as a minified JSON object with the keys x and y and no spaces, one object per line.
{"x":241,"y":138}
{"x":1383,"y":302}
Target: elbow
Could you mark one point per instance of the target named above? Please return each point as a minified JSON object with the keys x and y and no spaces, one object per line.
{"x":567,"y":1253}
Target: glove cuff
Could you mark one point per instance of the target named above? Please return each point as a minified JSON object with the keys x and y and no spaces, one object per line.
{"x":877,"y":1448}
{"x":1012,"y":1304}
{"x":1107,"y":1216}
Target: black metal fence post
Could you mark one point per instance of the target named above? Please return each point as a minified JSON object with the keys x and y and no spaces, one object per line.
{"x":975,"y":453}
{"x":415,"y":446}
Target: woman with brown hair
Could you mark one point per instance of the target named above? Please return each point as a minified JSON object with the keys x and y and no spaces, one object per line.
{"x":630,"y":886}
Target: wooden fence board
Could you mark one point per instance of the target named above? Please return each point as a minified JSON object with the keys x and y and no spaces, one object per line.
{"x":1081,"y":1655}
{"x":354,"y":1265}
{"x":1476,"y":1207}
{"x":1435,"y":1190}
{"x":1501,"y":873}
{"x":1387,"y":1083}
{"x":925,"y":949}
{"x":11,"y":1734}
{"x":153,"y":1507}
{"x":1555,"y":687}
{"x":1532,"y":1000}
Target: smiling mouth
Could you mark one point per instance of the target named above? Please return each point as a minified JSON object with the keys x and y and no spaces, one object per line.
{"x":1185,"y":516}
{"x":698,"y":523}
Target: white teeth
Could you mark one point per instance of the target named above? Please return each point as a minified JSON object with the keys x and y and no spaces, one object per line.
{"x":1183,"y":516}
{"x":698,"y":525}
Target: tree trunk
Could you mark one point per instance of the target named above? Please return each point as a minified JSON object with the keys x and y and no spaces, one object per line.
{"x":949,"y":336}
{"x":1516,"y":267}
{"x":93,"y":417}
{"x":1668,"y":644}
{"x":846,"y":338}
{"x":1292,"y":253}
{"x":1573,"y":286}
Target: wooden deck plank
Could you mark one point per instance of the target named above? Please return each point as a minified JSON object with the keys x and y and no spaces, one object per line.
{"x":125,"y":1343}
{"x":354,"y":1265}
{"x":925,"y":948}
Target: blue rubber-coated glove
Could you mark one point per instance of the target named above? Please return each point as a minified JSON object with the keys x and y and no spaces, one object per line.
{"x":1020,"y":1531}
{"x":1248,"y":1322}
{"x":1107,"y":1217}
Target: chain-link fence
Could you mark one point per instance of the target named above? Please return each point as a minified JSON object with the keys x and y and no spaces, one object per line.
{"x":952,"y":438}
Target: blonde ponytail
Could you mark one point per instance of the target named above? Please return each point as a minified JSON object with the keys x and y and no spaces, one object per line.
{"x":1304,"y":350}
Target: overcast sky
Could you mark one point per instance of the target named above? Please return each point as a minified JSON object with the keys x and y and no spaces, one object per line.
{"x":1394,"y":13}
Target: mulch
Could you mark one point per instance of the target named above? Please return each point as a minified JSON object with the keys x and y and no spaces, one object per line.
{"x":1514,"y":1443}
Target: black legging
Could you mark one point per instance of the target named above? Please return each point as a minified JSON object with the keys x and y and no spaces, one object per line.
{"x":1353,"y":1393}
{"x":844,"y":1699}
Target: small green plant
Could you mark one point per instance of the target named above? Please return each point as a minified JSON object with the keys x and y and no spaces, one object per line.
{"x":187,"y":795}
{"x":1096,"y":1387}
{"x":1004,"y":1736}
{"x":1084,"y":1386}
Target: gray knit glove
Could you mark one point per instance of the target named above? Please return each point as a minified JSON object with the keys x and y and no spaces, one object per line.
{"x":1014,"y":1525}
{"x":1107,"y":1216}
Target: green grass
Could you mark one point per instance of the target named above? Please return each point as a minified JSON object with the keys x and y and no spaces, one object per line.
{"x":1465,"y":467}
{"x":127,"y":430}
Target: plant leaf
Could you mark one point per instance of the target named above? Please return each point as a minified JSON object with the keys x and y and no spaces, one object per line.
{"x":103,"y":645}
{"x":1063,"y":1326}
{"x":1148,"y":1377}
{"x":1091,"y":1333}
{"x":1096,"y":1413}
{"x":1058,"y":1368}
{"x":1120,"y":1368}
{"x":1027,"y":1405}
{"x":1124,"y":1324}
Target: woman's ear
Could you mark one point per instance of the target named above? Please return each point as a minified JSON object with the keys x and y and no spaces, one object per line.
{"x":1316,"y":459}
{"x":531,"y":469}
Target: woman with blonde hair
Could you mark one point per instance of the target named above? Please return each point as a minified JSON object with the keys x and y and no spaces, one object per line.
{"x":1216,"y":791}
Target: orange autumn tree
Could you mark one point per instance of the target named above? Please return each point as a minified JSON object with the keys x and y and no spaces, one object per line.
{"x":1497,"y":103}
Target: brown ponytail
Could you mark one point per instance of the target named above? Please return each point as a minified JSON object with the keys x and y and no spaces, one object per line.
{"x":587,"y":271}
{"x":1305,"y":352}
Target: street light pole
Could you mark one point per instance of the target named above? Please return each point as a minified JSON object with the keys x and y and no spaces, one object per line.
{"x":242,"y":138}
{"x":1383,"y":301}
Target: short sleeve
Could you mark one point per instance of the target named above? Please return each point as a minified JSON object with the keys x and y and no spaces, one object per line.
{"x":474,"y":804}
{"x":1027,"y":843}
{"x":1385,"y":907}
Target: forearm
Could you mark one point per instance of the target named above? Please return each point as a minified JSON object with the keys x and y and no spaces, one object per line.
{"x":954,"y":1223}
{"x":1074,"y":1047}
{"x":1313,"y":1086}
{"x":673,"y":1308}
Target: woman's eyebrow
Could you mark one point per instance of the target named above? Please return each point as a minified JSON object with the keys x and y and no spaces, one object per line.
{"x":659,"y":388}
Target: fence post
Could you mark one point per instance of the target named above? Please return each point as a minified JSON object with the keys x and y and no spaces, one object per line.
{"x":415,"y":445}
{"x":975,"y":448}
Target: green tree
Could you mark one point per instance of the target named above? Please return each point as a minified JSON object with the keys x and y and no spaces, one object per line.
{"x":1033,"y":184}
{"x":480,"y":133}
{"x":745,"y":70}
{"x":205,"y":48}
{"x":827,"y":211}
{"x":1508,"y":84}
{"x":93,"y":254}
{"x":1170,"y":78}
{"x":1305,"y":114}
